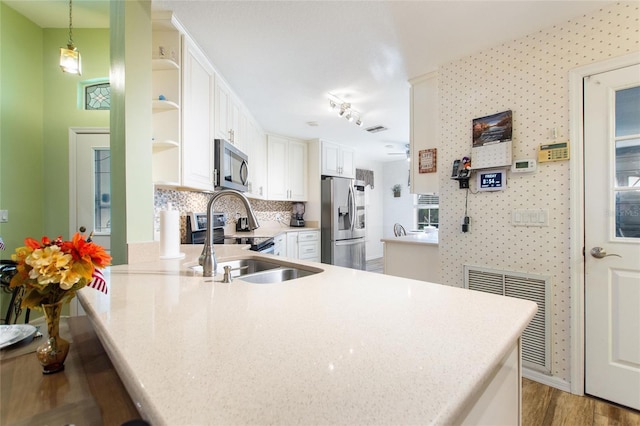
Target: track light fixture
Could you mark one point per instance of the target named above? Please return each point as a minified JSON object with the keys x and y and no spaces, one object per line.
{"x":345,"y":110}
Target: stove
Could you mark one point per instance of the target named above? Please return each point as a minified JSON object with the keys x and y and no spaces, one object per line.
{"x":259,"y":244}
{"x":197,"y":228}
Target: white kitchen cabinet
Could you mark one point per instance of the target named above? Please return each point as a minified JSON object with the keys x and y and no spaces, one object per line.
{"x":286,"y":169}
{"x":424,"y":131}
{"x":166,"y":101}
{"x":309,"y":245}
{"x":337,"y":160}
{"x":280,"y":244}
{"x":304,"y":245}
{"x":221,"y":110}
{"x":292,"y":245}
{"x":257,"y":153}
{"x":230,"y":117}
{"x":197,"y":135}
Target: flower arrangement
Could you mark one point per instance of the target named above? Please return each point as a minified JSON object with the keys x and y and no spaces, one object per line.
{"x":53,"y":271}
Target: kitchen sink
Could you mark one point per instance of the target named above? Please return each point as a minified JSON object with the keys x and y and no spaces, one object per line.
{"x":276,"y":275}
{"x":242,"y":267}
{"x":258,"y":270}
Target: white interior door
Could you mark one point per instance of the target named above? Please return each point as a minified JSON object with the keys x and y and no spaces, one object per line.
{"x":612,"y":235}
{"x":91,"y":185}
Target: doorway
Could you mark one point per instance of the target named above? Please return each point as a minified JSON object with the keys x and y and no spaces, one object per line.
{"x":89,"y":189}
{"x":606,"y":277}
{"x":90,"y":184}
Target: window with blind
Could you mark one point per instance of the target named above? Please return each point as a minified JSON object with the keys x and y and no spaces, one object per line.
{"x":426,"y":209}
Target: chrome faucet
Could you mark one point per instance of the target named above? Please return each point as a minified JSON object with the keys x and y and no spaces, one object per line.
{"x":208,"y":257}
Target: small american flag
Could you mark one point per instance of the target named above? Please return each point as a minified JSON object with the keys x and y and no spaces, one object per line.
{"x":1,"y":244}
{"x":98,"y":282}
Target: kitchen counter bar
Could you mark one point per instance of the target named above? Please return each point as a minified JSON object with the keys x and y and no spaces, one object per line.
{"x":268,"y":231}
{"x":412,"y":256}
{"x":414,"y":238}
{"x":339,"y":347}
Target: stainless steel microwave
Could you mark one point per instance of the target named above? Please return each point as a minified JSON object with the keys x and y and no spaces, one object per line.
{"x":231,"y":167}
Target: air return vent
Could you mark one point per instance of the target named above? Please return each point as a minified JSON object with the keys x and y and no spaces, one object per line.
{"x":536,"y":338}
{"x":376,"y":129}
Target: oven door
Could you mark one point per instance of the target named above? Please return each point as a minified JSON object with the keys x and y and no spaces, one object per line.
{"x":268,"y":249}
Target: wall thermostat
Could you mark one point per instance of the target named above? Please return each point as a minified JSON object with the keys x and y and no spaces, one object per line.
{"x":492,"y":180}
{"x":524,"y":166}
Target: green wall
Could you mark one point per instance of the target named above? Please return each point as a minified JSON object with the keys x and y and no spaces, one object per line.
{"x":62,"y":110}
{"x":21,"y":129}
{"x":39,"y":104}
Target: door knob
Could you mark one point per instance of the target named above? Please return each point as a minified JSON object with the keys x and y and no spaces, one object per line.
{"x":599,"y":253}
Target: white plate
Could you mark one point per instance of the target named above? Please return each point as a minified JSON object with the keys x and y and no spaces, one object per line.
{"x":11,"y":334}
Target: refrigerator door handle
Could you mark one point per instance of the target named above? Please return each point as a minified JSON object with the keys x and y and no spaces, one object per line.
{"x":352,"y":207}
{"x":349,"y":242}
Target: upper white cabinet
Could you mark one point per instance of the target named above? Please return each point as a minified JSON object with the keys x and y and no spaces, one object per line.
{"x":166,"y":100}
{"x":286,"y":165}
{"x":231,"y":120}
{"x":257,"y":153}
{"x":424,"y":130}
{"x":222,"y":113}
{"x":197,"y":117}
{"x":337,"y":160}
{"x":192,"y":106}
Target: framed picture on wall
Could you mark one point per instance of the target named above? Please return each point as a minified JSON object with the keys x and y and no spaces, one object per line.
{"x":428,"y":160}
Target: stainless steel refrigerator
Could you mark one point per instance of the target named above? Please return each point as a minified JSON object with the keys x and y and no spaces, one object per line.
{"x":343,"y":222}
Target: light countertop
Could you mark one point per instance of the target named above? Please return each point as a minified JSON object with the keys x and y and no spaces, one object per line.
{"x":266,"y":230}
{"x":414,"y":238}
{"x":339,"y":347}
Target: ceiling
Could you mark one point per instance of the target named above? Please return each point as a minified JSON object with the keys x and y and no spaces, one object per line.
{"x":283,"y":58}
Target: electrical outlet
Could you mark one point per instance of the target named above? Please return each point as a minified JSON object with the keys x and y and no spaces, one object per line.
{"x":4,"y":216}
{"x":278,"y":216}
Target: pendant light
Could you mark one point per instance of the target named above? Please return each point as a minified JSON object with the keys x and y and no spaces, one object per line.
{"x":70,"y":60}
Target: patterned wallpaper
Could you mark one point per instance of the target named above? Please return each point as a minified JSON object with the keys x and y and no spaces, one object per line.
{"x":529,"y":76}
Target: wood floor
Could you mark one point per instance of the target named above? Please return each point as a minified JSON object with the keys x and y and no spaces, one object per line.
{"x":546,"y":406}
{"x":375,"y":265}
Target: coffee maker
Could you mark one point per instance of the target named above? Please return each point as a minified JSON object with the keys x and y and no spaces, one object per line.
{"x":297,"y":211}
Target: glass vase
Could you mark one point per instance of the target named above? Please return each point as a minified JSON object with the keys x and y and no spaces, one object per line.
{"x":54,"y":350}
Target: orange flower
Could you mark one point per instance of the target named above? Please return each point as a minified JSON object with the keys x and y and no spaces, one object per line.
{"x":84,"y":251}
{"x":53,"y":271}
{"x":32,"y":244}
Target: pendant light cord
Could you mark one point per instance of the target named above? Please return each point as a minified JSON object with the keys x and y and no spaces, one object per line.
{"x":70,"y":23}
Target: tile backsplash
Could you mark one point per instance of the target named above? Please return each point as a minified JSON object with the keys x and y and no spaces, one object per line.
{"x":191,"y":201}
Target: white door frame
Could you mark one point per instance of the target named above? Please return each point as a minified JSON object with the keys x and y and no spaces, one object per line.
{"x":73,"y":176}
{"x":576,"y":221}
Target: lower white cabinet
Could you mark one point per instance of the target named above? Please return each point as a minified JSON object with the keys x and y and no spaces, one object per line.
{"x":304,"y":245}
{"x":292,"y":245}
{"x":280,"y":245}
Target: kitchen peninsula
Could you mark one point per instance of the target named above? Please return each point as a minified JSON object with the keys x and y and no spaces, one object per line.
{"x":339,"y":347}
{"x":412,"y":256}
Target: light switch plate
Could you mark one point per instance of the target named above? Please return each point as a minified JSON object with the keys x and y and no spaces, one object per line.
{"x":4,"y":216}
{"x":534,"y":217}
